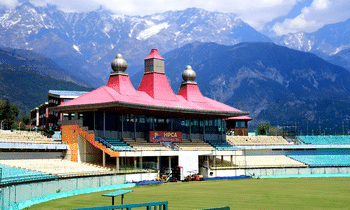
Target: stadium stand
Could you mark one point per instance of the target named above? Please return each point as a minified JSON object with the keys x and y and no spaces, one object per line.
{"x":325,"y":139}
{"x":318,"y":158}
{"x":25,"y":137}
{"x":56,"y":166}
{"x":271,"y":161}
{"x":139,"y":144}
{"x":221,"y":145}
{"x":193,"y":144}
{"x":114,"y":144}
{"x":256,"y":140}
{"x":14,"y":175}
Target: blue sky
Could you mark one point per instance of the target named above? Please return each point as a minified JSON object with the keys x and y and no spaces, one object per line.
{"x":275,"y":17}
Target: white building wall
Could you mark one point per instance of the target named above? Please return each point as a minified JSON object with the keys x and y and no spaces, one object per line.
{"x":189,"y":161}
{"x":141,"y":177}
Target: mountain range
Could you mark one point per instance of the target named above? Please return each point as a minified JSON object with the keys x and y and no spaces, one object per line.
{"x":331,"y":42}
{"x":235,"y":63}
{"x":86,"y":43}
{"x":26,"y":77}
{"x":274,"y":83}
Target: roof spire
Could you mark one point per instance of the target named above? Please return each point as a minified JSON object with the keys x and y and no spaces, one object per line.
{"x":189,"y":75}
{"x":154,"y":62}
{"x":119,"y":65}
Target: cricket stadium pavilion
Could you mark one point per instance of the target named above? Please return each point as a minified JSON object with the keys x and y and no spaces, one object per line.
{"x":116,"y":125}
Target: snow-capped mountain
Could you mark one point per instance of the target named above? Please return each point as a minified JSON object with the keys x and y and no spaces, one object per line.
{"x":86,"y":43}
{"x":273,"y":83}
{"x":328,"y":42}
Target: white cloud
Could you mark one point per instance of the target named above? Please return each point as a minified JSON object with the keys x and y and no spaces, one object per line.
{"x":318,"y":14}
{"x":8,"y":4}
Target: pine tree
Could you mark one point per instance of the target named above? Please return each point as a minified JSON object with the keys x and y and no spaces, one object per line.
{"x":8,"y":113}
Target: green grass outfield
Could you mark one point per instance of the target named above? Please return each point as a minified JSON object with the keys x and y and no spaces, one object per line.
{"x":291,"y":193}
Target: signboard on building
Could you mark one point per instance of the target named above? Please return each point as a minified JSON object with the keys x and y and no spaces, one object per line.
{"x":165,"y":136}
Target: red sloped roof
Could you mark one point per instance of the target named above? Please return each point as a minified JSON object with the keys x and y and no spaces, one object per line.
{"x":106,"y":95}
{"x":154,"y":93}
{"x":157,"y":86}
{"x":191,"y":92}
{"x":122,"y":84}
{"x":154,"y":54}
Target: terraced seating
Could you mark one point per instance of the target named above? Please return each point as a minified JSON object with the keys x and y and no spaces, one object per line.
{"x":256,"y":140}
{"x":55,"y":166}
{"x":194,"y":144}
{"x":25,"y":137}
{"x":114,"y":144}
{"x":57,"y":135}
{"x":221,"y":145}
{"x":325,"y":139}
{"x":12,"y":175}
{"x":322,"y":157}
{"x":260,"y":161}
{"x":140,"y":144}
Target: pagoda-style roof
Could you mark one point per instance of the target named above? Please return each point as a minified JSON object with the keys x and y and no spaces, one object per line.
{"x":154,"y":54}
{"x":154,"y":95}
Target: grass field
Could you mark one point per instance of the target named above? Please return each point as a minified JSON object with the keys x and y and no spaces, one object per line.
{"x":292,"y":193}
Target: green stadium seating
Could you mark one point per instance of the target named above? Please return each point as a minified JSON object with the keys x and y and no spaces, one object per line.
{"x":14,"y":175}
{"x":114,"y":144}
{"x":221,"y":145}
{"x":325,"y":139}
{"x":321,"y":158}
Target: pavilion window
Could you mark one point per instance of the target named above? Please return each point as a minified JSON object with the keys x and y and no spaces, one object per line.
{"x":168,"y":124}
{"x":131,"y":122}
{"x":240,"y":124}
{"x":177,"y":124}
{"x":128,"y":122}
{"x":141,"y":125}
{"x":149,"y":120}
{"x":160,"y":124}
{"x":110,"y":122}
{"x":201,"y":125}
{"x":65,"y":116}
{"x":211,"y":126}
{"x":119,"y":123}
{"x":224,"y":125}
{"x":99,"y":120}
{"x":88,"y":120}
{"x":185,"y":123}
{"x":71,"y":116}
{"x":195,"y":127}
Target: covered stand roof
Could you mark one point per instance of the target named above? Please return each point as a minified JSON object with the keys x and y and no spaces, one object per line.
{"x":154,"y":93}
{"x":66,"y":93}
{"x":240,"y":118}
